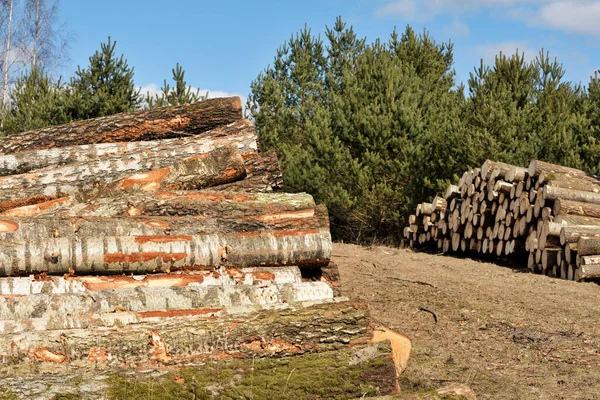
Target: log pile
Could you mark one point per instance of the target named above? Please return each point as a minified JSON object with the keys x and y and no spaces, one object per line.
{"x":546,"y":215}
{"x":161,"y":237}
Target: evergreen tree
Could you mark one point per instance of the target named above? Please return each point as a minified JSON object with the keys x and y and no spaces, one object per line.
{"x":35,"y":102}
{"x":178,"y":95}
{"x":350,"y":121}
{"x":105,"y":87}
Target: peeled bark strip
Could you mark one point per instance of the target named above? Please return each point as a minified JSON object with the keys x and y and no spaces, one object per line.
{"x":148,"y":254}
{"x":179,"y":337}
{"x":240,"y":133}
{"x":23,"y":229}
{"x":158,"y":123}
{"x":219,"y":166}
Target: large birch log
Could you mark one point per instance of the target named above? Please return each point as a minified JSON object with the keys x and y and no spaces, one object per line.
{"x":147,"y":254}
{"x":180,"y":337}
{"x":240,"y":133}
{"x":259,"y":220}
{"x":158,"y":123}
{"x":219,"y":166}
{"x":175,"y":203}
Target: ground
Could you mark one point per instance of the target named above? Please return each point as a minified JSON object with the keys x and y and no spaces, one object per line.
{"x":506,"y":333}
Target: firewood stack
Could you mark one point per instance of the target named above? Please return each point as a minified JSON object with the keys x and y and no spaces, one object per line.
{"x":169,"y":222}
{"x":547,"y":212}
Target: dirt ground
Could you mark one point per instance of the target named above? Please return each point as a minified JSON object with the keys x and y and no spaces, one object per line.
{"x":506,"y":333}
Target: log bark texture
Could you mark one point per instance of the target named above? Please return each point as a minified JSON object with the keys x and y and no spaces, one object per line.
{"x":263,"y":174}
{"x":258,"y":220}
{"x":576,"y":208}
{"x":588,"y":246}
{"x":219,"y":166}
{"x":161,"y":253}
{"x":240,"y":133}
{"x":158,"y":123}
{"x":172,"y":338}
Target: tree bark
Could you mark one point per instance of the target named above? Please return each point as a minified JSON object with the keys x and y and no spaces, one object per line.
{"x":180,"y":337}
{"x":219,"y":166}
{"x":158,"y":123}
{"x":536,"y":167}
{"x":259,"y":220}
{"x":570,"y":219}
{"x":584,"y":272}
{"x":554,"y":193}
{"x":587,"y":246}
{"x":576,"y":208}
{"x":89,"y":156}
{"x":263,"y":174}
{"x":572,"y":233}
{"x":207,"y":204}
{"x":147,"y":254}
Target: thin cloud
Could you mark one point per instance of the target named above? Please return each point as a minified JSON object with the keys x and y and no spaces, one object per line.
{"x":488,"y":52}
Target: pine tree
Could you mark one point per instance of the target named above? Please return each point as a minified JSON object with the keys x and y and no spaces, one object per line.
{"x":178,"y":95}
{"x":35,"y":102}
{"x":105,"y":87}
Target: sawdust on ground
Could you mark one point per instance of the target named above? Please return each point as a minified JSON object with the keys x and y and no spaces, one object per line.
{"x":505,"y":333}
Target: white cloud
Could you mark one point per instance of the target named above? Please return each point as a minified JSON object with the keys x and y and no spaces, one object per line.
{"x":489,"y":52}
{"x":457,"y":28}
{"x":154,"y":89}
{"x":573,"y":16}
{"x":429,"y":9}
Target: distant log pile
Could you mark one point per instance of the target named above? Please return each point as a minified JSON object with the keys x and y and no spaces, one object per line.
{"x":547,"y":213}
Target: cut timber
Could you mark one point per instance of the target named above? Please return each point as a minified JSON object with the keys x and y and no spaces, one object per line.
{"x":572,"y":233}
{"x":550,"y":257}
{"x":576,"y":184}
{"x":576,"y":208}
{"x":263,"y":174}
{"x":240,"y":133}
{"x":516,"y":174}
{"x":568,"y":219}
{"x":587,"y":246}
{"x":57,"y":308}
{"x":177,"y":203}
{"x":536,"y":167}
{"x":179,"y":337}
{"x":554,"y":193}
{"x":148,"y":254}
{"x":452,"y":192}
{"x":584,"y":272}
{"x":24,"y":229}
{"x":219,"y":166}
{"x":158,"y":123}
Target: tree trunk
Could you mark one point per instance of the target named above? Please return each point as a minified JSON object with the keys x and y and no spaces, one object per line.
{"x":259,"y":220}
{"x":90,"y":156}
{"x":181,"y":336}
{"x":584,"y":272}
{"x":587,"y":246}
{"x":554,"y":193}
{"x":551,"y":171}
{"x":146,"y":254}
{"x":222,"y":165}
{"x":575,"y":184}
{"x":576,"y":208}
{"x":208,"y":204}
{"x":570,"y":219}
{"x":572,"y":233}
{"x":158,"y":123}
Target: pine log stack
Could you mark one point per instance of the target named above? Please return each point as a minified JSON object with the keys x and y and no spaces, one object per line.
{"x":171,"y":223}
{"x":545,"y":216}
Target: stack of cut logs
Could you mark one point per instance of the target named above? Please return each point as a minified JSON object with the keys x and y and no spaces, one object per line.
{"x":549,"y":212}
{"x":161,"y":220}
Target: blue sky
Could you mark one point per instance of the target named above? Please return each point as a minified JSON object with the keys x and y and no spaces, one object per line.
{"x":224,"y":45}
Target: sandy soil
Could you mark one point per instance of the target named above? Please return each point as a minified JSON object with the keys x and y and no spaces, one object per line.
{"x":504,"y":332}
